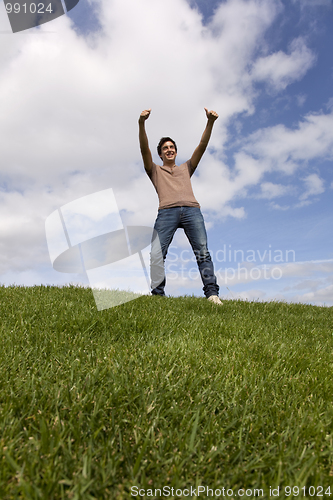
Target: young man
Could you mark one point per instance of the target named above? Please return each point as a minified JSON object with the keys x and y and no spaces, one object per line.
{"x":178,"y":207}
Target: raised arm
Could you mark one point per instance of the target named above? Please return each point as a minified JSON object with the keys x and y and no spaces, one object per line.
{"x":144,"y":146}
{"x":199,"y":151}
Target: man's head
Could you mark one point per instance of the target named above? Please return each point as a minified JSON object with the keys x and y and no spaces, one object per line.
{"x":167,"y":150}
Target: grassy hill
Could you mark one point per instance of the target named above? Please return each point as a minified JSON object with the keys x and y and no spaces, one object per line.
{"x":174,"y":393}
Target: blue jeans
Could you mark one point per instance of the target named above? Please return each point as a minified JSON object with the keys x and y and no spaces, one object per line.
{"x":191,"y":220}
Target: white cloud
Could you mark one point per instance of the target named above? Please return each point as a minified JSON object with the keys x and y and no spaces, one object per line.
{"x":286,"y":149}
{"x":72,"y":103}
{"x":273,"y":149}
{"x":249,"y":295}
{"x":313,"y":3}
{"x":316,"y":289}
{"x":308,"y":268}
{"x":329,"y":104}
{"x":281,"y":69}
{"x":269,"y":190}
{"x":313,"y":278}
{"x":247,"y":272}
{"x":301,"y":98}
{"x":276,"y":206}
{"x":320,"y":297}
{"x":314,"y":185}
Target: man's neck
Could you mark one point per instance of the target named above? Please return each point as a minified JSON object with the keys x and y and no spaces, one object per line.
{"x":169,"y":164}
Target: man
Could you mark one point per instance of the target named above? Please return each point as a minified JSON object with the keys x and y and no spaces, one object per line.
{"x":178,"y":207}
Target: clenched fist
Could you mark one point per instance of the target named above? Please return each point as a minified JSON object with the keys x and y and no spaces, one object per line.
{"x":144,"y":115}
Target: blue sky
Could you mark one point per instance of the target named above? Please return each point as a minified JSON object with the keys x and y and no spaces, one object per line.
{"x":71,"y":92}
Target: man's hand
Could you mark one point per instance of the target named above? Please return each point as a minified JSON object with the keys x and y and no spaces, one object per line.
{"x":211,"y":115}
{"x":144,"y":115}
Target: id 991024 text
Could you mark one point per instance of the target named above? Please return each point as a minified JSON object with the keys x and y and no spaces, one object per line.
{"x":32,"y":8}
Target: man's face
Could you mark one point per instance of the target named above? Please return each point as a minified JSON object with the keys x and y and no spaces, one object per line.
{"x":168,"y":152}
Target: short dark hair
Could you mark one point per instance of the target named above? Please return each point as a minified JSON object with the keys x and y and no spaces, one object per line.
{"x":162,"y":141}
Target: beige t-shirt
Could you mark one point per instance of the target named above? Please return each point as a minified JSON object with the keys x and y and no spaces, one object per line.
{"x":173,"y":185}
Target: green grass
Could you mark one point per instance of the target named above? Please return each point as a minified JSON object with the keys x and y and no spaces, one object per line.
{"x":173,"y":392}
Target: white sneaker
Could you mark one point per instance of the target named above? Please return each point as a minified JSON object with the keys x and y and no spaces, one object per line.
{"x":215,"y":300}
